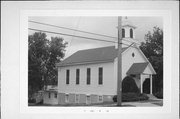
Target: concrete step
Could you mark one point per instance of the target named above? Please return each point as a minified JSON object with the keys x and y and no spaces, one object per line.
{"x":152,"y":97}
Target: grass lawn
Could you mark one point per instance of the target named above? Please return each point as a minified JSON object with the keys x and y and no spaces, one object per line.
{"x":73,"y":104}
{"x":104,"y":104}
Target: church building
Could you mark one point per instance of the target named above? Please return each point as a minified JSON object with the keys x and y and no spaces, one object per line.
{"x":90,"y":76}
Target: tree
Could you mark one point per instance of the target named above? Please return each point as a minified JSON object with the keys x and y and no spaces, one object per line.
{"x":56,"y":53}
{"x":153,"y":49}
{"x":43,"y":54}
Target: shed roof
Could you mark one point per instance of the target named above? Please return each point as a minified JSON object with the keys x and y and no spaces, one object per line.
{"x":137,"y":68}
{"x":92,"y":55}
{"x":51,"y":88}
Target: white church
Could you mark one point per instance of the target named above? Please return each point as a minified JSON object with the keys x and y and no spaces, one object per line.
{"x":90,"y":76}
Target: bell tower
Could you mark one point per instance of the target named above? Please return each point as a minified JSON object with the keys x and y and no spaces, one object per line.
{"x":128,"y":32}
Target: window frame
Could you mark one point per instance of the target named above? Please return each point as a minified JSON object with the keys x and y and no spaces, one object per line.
{"x":66,"y":98}
{"x":88,"y":81}
{"x":88,"y":96}
{"x":67,"y":77}
{"x":133,"y":54}
{"x":131,"y":33}
{"x":77,"y":95}
{"x":123,"y":33}
{"x":100,"y":75}
{"x":99,"y":98}
{"x":55,"y":95}
{"x":77,"y":76}
{"x":49,"y":95}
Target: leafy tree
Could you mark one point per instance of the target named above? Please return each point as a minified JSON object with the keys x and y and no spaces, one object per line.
{"x":43,"y":54}
{"x":56,"y":53}
{"x":153,"y":49}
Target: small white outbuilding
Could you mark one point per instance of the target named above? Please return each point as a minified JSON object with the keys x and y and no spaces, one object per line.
{"x":50,"y":95}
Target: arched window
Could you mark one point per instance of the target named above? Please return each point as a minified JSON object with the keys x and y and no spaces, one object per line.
{"x":123,"y":33}
{"x":131,"y":33}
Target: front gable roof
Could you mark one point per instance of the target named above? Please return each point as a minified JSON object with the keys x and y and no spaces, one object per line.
{"x":92,"y":55}
{"x":137,"y":68}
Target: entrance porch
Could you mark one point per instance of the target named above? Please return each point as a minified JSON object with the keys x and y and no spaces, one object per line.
{"x":142,"y":73}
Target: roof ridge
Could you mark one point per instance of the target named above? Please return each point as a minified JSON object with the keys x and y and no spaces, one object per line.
{"x":142,"y":63}
{"x":95,"y":48}
{"x":98,"y":48}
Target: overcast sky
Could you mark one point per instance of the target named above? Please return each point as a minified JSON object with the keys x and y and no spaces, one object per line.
{"x":100,"y":25}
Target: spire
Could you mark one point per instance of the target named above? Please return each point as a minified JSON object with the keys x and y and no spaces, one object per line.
{"x":127,"y":22}
{"x":128,"y":32}
{"x":128,"y":29}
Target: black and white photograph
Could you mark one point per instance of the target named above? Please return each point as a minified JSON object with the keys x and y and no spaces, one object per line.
{"x":95,"y":61}
{"x":89,"y":59}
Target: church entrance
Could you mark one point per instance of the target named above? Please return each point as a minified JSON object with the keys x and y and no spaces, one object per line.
{"x":146,"y":86}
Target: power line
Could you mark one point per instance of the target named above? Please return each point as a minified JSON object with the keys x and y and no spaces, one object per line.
{"x":77,"y":25}
{"x":71,"y":35}
{"x":71,"y":29}
{"x":89,"y":38}
{"x":78,"y":30}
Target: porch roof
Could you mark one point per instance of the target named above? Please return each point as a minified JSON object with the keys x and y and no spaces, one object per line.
{"x":137,"y":68}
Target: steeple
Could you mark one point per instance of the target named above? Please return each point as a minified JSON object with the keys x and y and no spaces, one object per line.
{"x":128,"y":31}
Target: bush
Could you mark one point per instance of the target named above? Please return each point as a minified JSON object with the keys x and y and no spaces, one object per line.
{"x":115,"y":98}
{"x":129,"y":85}
{"x":143,"y":96}
{"x":31,"y":100}
{"x":128,"y":97}
{"x":41,"y":102}
{"x":159,"y":94}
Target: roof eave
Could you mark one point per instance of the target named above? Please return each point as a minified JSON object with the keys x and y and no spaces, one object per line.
{"x":150,"y":65}
{"x":81,"y":63}
{"x":129,"y":26}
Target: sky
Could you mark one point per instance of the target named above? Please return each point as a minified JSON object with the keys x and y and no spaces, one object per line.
{"x":101,"y":25}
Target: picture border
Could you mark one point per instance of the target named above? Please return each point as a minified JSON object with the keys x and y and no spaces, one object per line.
{"x":14,"y":30}
{"x":165,"y":14}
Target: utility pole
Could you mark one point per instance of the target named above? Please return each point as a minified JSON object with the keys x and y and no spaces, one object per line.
{"x":119,"y":63}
